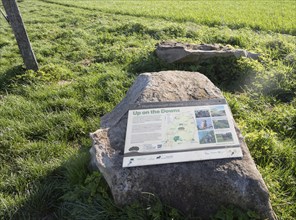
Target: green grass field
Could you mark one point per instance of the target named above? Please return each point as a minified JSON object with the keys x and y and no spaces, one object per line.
{"x":89,"y":54}
{"x":279,"y":16}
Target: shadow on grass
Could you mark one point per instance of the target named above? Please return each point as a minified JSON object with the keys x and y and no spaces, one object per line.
{"x":43,"y":199}
{"x":46,"y":195}
{"x":226,"y":73}
{"x":6,"y":79}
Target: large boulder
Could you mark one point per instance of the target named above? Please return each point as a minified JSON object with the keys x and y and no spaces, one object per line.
{"x":199,"y":188}
{"x":175,"y":52}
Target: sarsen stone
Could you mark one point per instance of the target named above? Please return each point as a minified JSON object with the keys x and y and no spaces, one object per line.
{"x":198,"y":188}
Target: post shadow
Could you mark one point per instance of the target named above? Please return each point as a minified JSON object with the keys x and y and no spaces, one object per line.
{"x":6,"y":79}
{"x":45,"y":200}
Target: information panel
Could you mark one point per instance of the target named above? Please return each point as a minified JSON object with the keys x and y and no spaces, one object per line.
{"x":180,"y":132}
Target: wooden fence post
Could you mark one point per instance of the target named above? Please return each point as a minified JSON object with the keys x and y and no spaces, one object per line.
{"x":17,"y":25}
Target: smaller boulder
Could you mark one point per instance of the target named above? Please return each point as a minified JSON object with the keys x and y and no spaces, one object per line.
{"x":172,"y":52}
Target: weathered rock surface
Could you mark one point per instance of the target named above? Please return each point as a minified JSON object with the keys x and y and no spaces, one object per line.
{"x":189,"y":53}
{"x":200,"y":187}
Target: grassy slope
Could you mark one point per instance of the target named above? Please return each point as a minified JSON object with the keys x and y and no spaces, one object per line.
{"x":88,"y":60}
